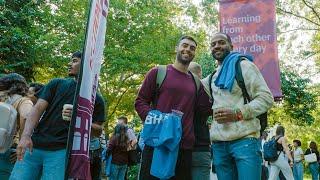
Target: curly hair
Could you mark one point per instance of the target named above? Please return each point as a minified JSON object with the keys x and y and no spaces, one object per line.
{"x":14,"y":83}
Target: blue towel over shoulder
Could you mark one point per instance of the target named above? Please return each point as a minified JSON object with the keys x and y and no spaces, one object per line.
{"x":227,"y":73}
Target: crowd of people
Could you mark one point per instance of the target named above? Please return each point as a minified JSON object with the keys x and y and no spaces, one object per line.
{"x":291,"y":158}
{"x":177,"y":141}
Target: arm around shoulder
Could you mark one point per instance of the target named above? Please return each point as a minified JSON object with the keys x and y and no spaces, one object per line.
{"x":204,"y":102}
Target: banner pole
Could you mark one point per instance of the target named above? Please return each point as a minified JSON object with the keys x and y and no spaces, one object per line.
{"x":74,"y":110}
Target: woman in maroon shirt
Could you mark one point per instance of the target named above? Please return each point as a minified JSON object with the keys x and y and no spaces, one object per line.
{"x":118,"y":146}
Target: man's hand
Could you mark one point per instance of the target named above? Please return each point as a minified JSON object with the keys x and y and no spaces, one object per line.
{"x":224,"y":115}
{"x":25,"y":143}
{"x":67,"y":112}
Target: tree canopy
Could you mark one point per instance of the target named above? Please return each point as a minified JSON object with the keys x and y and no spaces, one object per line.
{"x":37,"y":38}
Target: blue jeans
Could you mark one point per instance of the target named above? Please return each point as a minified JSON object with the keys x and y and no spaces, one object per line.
{"x":118,"y":172}
{"x":52,"y":164}
{"x":314,"y":169}
{"x":238,"y":160}
{"x":201,"y":165}
{"x":5,"y":165}
{"x":298,"y":171}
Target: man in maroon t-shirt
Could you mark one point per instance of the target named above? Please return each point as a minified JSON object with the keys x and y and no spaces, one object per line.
{"x":178,"y":92}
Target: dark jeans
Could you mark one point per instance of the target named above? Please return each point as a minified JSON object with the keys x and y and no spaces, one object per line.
{"x":183,"y":166}
{"x":264,"y":173}
{"x":95,"y":164}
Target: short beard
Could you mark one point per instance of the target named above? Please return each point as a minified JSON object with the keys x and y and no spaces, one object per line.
{"x":179,"y":58}
{"x":225,"y":54}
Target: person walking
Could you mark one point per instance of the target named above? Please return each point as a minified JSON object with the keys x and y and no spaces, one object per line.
{"x":284,"y":154}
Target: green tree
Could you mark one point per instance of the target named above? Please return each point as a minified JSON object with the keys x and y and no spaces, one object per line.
{"x":299,"y":112}
{"x":307,"y":13}
{"x":63,"y":31}
{"x":148,"y":37}
{"x":38,"y":36}
{"x":18,"y":32}
{"x":303,"y":131}
{"x":140,"y":35}
{"x":299,"y":103}
{"x":208,"y":64}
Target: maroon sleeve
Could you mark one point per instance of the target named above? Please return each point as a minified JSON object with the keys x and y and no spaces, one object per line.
{"x":145,"y":95}
{"x":204,"y":103}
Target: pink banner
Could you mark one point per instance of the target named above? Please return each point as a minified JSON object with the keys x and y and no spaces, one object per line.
{"x":79,"y":162}
{"x":251,"y":25}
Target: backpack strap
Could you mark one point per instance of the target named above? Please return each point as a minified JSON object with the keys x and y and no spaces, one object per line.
{"x":196,"y":81}
{"x":161,"y":75}
{"x":246,"y":97}
{"x":239,"y":79}
{"x":240,"y":82}
{"x":278,"y":138}
{"x":210,"y":82}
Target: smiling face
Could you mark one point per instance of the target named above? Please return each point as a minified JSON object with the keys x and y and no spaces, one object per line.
{"x":220,"y":47}
{"x":186,"y":50}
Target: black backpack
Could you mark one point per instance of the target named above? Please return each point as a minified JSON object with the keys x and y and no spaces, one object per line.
{"x":270,"y":151}
{"x":240,"y":81}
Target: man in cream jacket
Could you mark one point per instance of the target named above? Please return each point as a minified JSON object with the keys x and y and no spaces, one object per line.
{"x":235,"y":130}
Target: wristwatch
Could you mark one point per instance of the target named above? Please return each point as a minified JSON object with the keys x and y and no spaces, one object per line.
{"x":239,"y":115}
